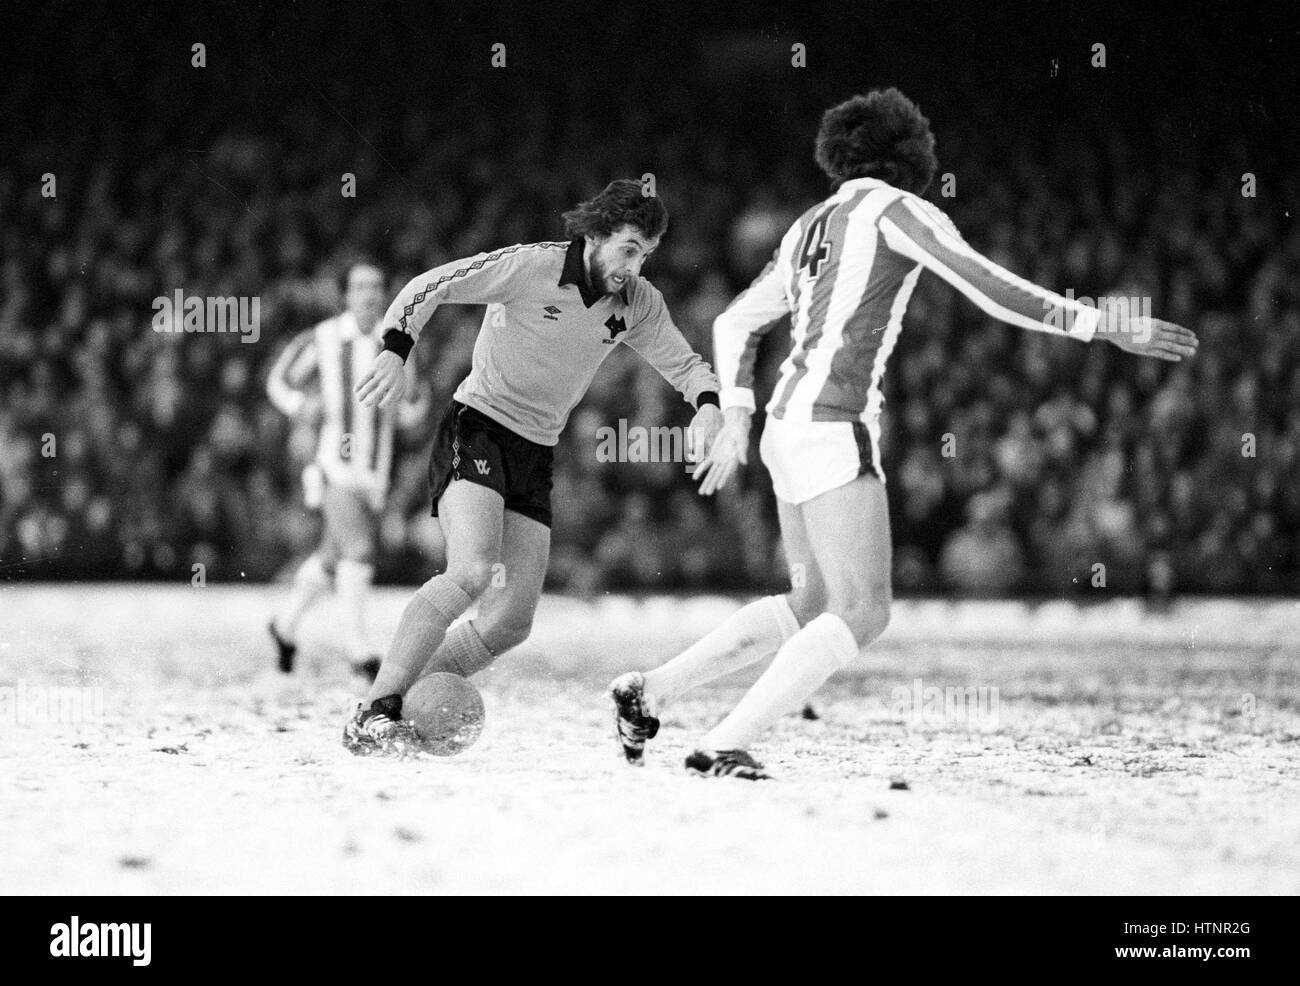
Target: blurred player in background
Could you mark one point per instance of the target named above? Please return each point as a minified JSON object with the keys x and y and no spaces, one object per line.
{"x":844,"y":272}
{"x":315,"y":378}
{"x":554,"y":312}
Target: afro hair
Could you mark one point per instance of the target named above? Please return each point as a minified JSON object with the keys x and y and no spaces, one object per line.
{"x":621,"y":203}
{"x":878,"y":135}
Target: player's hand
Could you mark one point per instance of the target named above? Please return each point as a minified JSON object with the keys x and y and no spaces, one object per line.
{"x":385,"y":383}
{"x":1146,"y":336}
{"x":730,"y":450}
{"x":703,"y":430}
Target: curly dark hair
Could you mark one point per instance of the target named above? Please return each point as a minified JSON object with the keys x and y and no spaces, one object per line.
{"x":879,"y":135}
{"x":621,"y":203}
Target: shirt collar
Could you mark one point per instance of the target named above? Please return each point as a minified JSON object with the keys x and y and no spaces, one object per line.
{"x":575,"y":272}
{"x":856,"y":184}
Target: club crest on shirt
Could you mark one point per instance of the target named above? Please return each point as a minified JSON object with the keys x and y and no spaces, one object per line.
{"x":615,"y":326}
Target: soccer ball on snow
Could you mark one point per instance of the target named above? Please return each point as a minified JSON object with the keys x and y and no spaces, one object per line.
{"x":447,"y":712}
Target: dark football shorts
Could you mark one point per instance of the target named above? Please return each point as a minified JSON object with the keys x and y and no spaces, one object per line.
{"x":473,"y":447}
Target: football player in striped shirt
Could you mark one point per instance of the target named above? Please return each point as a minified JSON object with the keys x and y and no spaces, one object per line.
{"x":844,"y":273}
{"x":554,"y":312}
{"x":315,"y":377}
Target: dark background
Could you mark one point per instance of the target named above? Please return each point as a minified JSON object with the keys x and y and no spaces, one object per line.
{"x":225,"y":180}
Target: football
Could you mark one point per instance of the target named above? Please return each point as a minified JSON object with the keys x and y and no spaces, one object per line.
{"x":447,"y":712}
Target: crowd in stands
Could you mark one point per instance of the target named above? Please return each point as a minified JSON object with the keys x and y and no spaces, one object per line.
{"x":1016,"y":462}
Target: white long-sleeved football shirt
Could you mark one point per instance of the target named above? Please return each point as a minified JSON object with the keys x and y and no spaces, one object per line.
{"x":845,"y":272}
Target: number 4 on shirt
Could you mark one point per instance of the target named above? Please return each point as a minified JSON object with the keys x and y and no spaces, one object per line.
{"x":816,"y":249}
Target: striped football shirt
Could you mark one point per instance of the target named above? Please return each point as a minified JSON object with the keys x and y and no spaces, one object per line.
{"x":355,"y":448}
{"x":845,"y":272}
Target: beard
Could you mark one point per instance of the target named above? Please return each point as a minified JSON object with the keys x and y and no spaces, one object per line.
{"x":598,"y":277}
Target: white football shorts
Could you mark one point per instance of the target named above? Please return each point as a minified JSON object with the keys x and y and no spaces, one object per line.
{"x":809,"y":458}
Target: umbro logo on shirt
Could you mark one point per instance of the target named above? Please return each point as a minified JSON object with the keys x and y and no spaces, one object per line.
{"x":551,"y":311}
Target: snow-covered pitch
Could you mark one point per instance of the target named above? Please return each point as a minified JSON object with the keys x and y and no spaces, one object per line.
{"x":146,"y":746}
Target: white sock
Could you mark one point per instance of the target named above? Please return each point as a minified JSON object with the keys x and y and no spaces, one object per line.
{"x":354,"y":580}
{"x":752,"y":633}
{"x":310,"y":582}
{"x":800,"y":667}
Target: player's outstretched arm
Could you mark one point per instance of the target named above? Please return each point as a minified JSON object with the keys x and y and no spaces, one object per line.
{"x":703,"y":432}
{"x":484,"y":279}
{"x":730,"y":451}
{"x":658,"y":341}
{"x":736,"y":335}
{"x":1154,"y":337}
{"x":738,"y":331}
{"x":385,"y":383}
{"x":921,"y":232}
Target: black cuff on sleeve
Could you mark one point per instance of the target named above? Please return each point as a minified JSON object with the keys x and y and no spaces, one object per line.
{"x":708,"y":397}
{"x":397,"y":341}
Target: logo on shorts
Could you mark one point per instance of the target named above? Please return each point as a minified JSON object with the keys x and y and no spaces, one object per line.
{"x":551,"y":311}
{"x":483,"y":468}
{"x":615,"y":326}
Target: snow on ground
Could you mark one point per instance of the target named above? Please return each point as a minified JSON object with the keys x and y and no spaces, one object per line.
{"x":1123,"y":753}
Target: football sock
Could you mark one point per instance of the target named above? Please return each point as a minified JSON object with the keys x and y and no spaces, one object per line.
{"x":750,"y":634}
{"x":800,"y":667}
{"x":462,"y":652}
{"x":433,"y":608}
{"x":310,"y":582}
{"x":353,"y":579}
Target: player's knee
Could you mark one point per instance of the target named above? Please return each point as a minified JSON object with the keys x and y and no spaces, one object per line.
{"x":473,"y":575}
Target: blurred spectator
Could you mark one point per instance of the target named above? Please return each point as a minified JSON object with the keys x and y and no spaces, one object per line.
{"x":983,"y":557}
